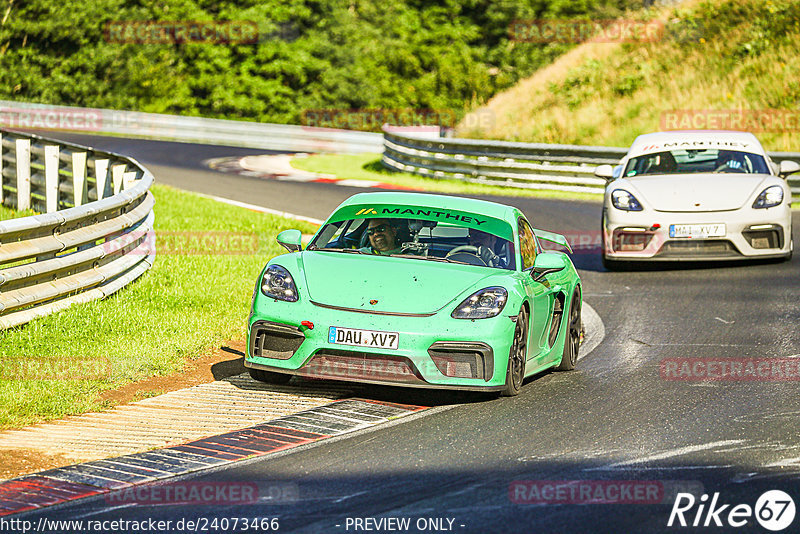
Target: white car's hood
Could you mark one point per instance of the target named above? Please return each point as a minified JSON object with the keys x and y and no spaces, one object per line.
{"x":694,"y":192}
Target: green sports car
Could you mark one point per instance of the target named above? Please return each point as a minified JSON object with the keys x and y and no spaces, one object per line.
{"x":417,"y":290}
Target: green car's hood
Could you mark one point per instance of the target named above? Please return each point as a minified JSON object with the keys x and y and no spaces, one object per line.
{"x":399,"y":285}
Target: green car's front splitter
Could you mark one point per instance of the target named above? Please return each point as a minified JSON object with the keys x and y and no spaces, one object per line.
{"x":431,"y":351}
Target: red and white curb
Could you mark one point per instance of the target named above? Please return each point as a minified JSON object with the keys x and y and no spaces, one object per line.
{"x":99,"y":477}
{"x":172,"y":418}
{"x":279,"y":167}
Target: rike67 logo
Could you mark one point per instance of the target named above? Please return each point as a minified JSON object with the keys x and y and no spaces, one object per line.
{"x":774,"y":510}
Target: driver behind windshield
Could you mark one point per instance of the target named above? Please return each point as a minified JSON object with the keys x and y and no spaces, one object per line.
{"x":382,"y":238}
{"x":485,"y":243}
{"x":730,"y":160}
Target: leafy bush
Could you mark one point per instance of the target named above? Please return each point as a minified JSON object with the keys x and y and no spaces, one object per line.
{"x":311,"y":54}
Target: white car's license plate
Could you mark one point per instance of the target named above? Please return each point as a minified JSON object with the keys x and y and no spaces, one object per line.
{"x":697,"y":231}
{"x":363,"y":338}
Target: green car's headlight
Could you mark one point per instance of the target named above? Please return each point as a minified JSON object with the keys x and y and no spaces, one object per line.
{"x":769,"y":197}
{"x":277,"y":283}
{"x":487,"y":302}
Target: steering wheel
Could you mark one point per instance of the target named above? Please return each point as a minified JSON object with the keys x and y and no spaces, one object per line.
{"x":463,"y":248}
{"x":411,"y":247}
{"x":724,"y":168}
{"x":467,"y":254}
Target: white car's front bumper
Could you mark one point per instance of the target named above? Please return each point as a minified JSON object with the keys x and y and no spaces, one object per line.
{"x":749,"y":233}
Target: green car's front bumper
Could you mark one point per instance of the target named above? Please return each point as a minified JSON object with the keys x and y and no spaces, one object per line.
{"x":434,"y":351}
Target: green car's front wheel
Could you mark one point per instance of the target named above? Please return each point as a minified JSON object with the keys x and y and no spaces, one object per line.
{"x":515,"y":373}
{"x":269,"y":377}
{"x":572,"y":341}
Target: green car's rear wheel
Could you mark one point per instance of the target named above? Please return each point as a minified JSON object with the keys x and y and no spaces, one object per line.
{"x":515,"y":373}
{"x":572,"y":342}
{"x":269,"y":377}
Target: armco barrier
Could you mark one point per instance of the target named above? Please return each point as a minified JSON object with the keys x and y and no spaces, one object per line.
{"x":524,"y":165}
{"x":187,"y":129}
{"x":521,"y":165}
{"x":93,"y":237}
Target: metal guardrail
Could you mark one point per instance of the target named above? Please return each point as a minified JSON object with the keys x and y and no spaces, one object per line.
{"x":94,"y":235}
{"x":22,"y":115}
{"x":521,"y":165}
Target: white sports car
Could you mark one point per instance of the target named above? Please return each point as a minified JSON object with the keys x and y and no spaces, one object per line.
{"x":696,"y":195}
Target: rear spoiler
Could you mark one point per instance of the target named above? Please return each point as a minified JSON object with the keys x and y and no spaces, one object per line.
{"x":558,"y":239}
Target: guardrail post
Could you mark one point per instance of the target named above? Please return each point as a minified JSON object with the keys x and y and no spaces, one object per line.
{"x":23,"y":147}
{"x":80,"y":188}
{"x":128,"y":180}
{"x":101,"y":174}
{"x":51,"y":177}
{"x":117,"y":173}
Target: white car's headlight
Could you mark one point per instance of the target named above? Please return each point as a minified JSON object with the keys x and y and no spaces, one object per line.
{"x":622,"y":200}
{"x":769,"y":197}
{"x":487,"y":302}
{"x":277,"y":283}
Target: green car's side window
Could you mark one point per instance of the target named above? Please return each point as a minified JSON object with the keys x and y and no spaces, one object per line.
{"x":527,"y":244}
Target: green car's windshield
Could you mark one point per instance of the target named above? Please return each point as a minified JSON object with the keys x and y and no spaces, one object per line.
{"x":696,"y":161}
{"x":416,"y":239}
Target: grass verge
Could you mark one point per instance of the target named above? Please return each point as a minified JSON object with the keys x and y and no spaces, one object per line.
{"x":7,"y":213}
{"x":183,"y":305}
{"x":369,"y":167}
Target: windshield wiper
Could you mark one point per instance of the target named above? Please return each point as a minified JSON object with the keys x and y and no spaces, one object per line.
{"x":348,"y":250}
{"x":432,"y":258}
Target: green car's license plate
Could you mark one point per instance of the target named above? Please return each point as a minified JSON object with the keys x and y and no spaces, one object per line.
{"x":363,"y":338}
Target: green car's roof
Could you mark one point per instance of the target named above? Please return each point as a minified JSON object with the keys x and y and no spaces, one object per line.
{"x":426,"y":200}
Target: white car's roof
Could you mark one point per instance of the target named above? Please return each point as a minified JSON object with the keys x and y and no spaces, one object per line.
{"x":661,"y":141}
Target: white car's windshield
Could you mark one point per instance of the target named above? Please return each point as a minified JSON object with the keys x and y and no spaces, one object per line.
{"x":416,"y":239}
{"x":696,"y":161}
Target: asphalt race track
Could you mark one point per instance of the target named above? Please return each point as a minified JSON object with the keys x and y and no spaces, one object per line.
{"x":615,"y":418}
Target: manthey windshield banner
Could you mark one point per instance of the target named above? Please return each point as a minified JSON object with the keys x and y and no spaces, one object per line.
{"x":465,"y":219}
{"x":699,"y":144}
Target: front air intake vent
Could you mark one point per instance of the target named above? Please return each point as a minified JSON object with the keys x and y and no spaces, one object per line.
{"x":463,"y":360}
{"x":274,"y":340}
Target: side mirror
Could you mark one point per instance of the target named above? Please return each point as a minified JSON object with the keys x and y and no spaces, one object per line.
{"x":604,"y":171}
{"x":290,"y":240}
{"x":788,"y":167}
{"x":546,"y":263}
